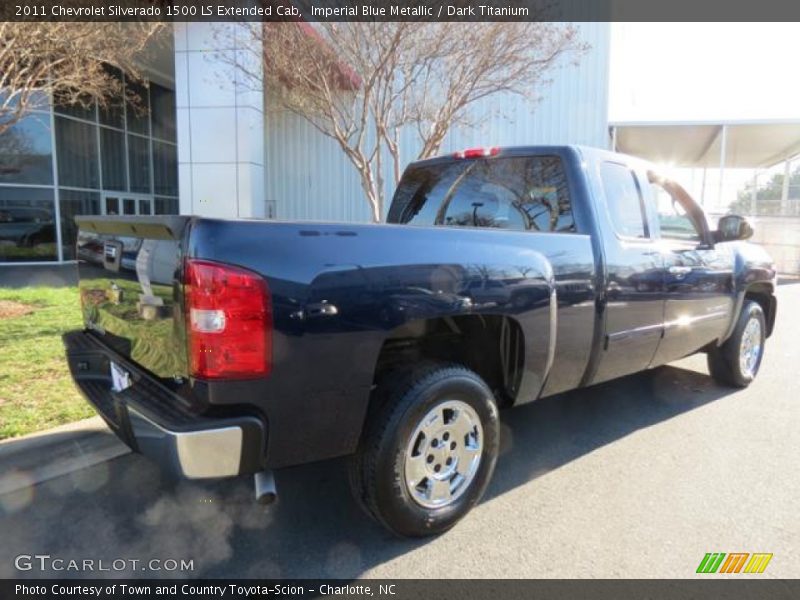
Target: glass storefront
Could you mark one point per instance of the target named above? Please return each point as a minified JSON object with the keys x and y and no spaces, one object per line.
{"x":76,"y":161}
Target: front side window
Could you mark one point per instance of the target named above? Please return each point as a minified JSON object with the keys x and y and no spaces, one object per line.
{"x":674,"y":222}
{"x":624,"y":200}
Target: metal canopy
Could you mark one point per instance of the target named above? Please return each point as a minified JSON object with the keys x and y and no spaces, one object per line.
{"x":730,"y":144}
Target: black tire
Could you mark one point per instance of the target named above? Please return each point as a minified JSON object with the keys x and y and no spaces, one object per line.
{"x":377,"y":471}
{"x":724,"y":362}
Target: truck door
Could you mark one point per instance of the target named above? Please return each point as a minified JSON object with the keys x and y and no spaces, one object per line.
{"x":634,"y":311}
{"x":698,"y":277}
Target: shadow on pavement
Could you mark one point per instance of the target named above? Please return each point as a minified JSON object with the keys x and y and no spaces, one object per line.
{"x":126,"y":508}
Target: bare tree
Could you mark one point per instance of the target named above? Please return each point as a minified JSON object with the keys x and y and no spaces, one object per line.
{"x":66,"y":62}
{"x":363,"y":83}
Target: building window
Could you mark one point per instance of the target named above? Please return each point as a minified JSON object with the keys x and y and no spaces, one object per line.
{"x":162,"y":105}
{"x":113,"y":114}
{"x":112,"y":152}
{"x":165,"y":169}
{"x":71,"y":204}
{"x":26,"y":153}
{"x":138,"y":108}
{"x":27,"y":224}
{"x":139,"y":164}
{"x":112,"y":205}
{"x":166,"y":206}
{"x":84,"y":110}
{"x":76,"y":145}
{"x":120,"y":160}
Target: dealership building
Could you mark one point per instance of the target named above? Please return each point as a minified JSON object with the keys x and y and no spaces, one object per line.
{"x":208,"y":144}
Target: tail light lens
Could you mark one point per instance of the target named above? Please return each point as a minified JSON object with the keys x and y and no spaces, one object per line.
{"x":228,"y":321}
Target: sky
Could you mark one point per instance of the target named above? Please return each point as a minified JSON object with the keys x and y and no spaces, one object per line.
{"x":699,"y":71}
{"x":705,"y":72}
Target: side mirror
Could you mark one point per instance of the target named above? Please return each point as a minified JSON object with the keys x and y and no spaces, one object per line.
{"x":733,"y":227}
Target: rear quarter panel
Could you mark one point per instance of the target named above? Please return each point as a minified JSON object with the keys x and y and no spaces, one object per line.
{"x":380,"y":277}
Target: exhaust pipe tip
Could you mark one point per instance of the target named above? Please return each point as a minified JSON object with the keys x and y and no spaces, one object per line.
{"x":267,"y":499}
{"x":266,"y":492}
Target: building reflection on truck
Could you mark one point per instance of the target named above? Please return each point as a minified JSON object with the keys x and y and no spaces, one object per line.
{"x":341,"y":299}
{"x":132,"y":293}
{"x":385,"y":297}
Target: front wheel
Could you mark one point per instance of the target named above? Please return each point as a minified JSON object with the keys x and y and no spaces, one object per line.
{"x":429,"y":450}
{"x":737,"y":361}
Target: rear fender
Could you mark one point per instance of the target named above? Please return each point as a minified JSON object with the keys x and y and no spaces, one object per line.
{"x":397,"y":300}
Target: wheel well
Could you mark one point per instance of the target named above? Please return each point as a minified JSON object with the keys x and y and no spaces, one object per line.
{"x":763,"y":295}
{"x":491,"y":345}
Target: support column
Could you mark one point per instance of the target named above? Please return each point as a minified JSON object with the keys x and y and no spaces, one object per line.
{"x":220,"y":118}
{"x":787,"y":174}
{"x":722,"y":150}
{"x":703,"y":188}
{"x":754,"y":194}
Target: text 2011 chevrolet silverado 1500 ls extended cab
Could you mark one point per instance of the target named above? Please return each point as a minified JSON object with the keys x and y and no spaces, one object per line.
{"x":230,"y":347}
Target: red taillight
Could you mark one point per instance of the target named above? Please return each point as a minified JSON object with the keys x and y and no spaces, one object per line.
{"x":477,"y":152}
{"x":228,"y":321}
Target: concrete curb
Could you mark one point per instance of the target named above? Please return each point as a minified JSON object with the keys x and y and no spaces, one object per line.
{"x":35,"y":458}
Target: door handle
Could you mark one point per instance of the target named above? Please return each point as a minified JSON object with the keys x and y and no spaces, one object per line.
{"x":677,"y":270}
{"x":321,"y":309}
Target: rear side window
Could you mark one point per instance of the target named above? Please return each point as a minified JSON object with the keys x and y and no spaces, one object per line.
{"x":422,"y":191}
{"x":521,"y":194}
{"x":624,"y":200}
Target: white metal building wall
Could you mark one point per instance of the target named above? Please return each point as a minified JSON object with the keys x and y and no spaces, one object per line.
{"x":308,"y":177}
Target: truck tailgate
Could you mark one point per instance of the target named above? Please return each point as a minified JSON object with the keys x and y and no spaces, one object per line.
{"x":129,"y":279}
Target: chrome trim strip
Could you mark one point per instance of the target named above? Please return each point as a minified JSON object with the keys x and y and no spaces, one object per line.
{"x":551,"y":343}
{"x":658,"y":328}
{"x":636,"y":332}
{"x":692,"y":320}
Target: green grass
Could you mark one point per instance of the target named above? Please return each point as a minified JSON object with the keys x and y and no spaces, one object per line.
{"x":36,"y":391}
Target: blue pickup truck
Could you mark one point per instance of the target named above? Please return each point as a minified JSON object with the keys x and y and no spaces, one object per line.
{"x":223,"y":348}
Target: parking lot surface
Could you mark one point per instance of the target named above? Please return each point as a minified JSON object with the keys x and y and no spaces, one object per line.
{"x":638,"y":477}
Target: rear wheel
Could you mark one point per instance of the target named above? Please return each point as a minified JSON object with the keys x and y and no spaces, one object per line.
{"x":737,"y":361}
{"x":429,"y":450}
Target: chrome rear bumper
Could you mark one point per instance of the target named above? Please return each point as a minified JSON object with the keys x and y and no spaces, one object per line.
{"x":159,"y":424}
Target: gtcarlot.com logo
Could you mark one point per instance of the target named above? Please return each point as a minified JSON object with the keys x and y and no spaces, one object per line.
{"x":735,"y":562}
{"x":45,"y":562}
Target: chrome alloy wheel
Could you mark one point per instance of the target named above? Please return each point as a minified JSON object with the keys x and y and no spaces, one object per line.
{"x":750,"y":348}
{"x":443,"y":454}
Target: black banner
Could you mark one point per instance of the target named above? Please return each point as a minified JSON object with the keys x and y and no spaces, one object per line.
{"x":400,"y":10}
{"x":401,"y":589}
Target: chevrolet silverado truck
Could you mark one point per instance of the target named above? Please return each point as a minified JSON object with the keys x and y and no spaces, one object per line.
{"x":223,"y":348}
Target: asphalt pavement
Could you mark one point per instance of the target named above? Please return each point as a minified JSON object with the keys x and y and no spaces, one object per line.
{"x":639,"y":477}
